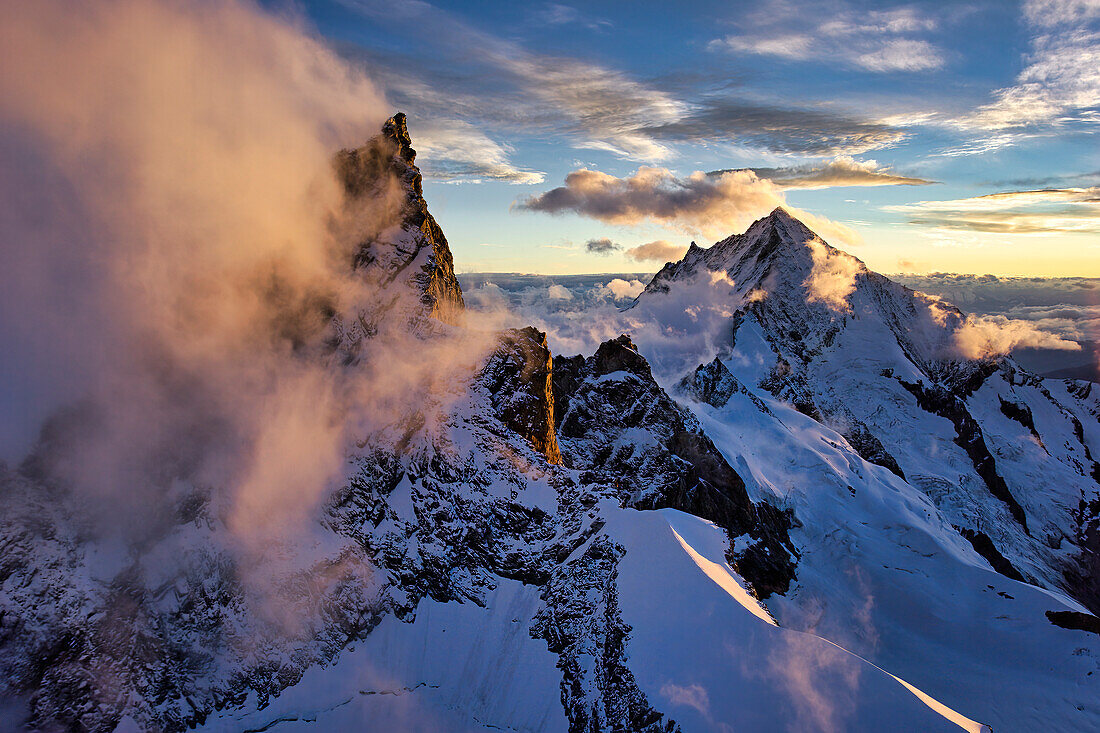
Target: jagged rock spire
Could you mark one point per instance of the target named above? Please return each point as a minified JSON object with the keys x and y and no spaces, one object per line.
{"x":366,"y":171}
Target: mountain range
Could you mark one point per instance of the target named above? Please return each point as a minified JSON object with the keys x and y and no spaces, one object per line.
{"x":810,"y":499}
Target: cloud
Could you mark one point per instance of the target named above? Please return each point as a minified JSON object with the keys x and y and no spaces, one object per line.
{"x":483,"y":79}
{"x":601,"y":246}
{"x":714,"y":205}
{"x":833,"y":276}
{"x":782,"y":129}
{"x":1038,"y":211}
{"x":486,"y":296}
{"x":1055,"y":13}
{"x":1033,"y":182}
{"x":1066,"y":307}
{"x":875,"y":40}
{"x":982,"y":336}
{"x":821,"y":680}
{"x":659,"y":251}
{"x":555,"y":14}
{"x":558,"y":292}
{"x":451,"y":150}
{"x":693,"y":696}
{"x":598,"y":107}
{"x":840,"y":171}
{"x":622,"y":289}
{"x":1060,"y":83}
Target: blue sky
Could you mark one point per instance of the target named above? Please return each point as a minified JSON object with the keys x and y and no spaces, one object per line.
{"x":922,"y":136}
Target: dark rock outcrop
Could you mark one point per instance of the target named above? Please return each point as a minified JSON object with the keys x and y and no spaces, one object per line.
{"x":618,"y":427}
{"x":1075,"y":620}
{"x":582,"y":624}
{"x":984,"y":546}
{"x":517,"y":376}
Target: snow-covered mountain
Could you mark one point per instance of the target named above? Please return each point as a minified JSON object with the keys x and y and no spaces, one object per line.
{"x":836,"y":509}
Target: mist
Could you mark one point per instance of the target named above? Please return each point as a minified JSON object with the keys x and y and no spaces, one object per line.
{"x":175,"y":247}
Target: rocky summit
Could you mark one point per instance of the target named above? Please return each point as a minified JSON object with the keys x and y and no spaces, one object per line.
{"x":845,"y":515}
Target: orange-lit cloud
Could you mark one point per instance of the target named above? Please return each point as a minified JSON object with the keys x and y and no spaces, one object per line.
{"x":712,"y":205}
{"x":176,"y":243}
{"x":659,"y":251}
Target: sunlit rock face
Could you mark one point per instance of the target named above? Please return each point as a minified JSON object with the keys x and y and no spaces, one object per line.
{"x":829,"y":500}
{"x":409,"y":256}
{"x":518,"y":376}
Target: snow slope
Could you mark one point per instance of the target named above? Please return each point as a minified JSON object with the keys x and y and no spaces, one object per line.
{"x":801,"y":501}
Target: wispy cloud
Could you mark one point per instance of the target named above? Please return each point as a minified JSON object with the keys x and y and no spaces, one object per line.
{"x":876,"y":40}
{"x":493,"y":82}
{"x":598,"y":107}
{"x":1061,"y":83}
{"x":782,"y":129}
{"x":1040,"y":211}
{"x":843,"y":170}
{"x":556,"y":14}
{"x":453,"y":150}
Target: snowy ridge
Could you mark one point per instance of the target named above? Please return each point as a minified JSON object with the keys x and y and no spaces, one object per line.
{"x":802,"y":520}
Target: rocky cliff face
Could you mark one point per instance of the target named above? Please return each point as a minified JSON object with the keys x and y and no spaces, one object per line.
{"x":442,"y":510}
{"x":408,"y":255}
{"x":518,"y":378}
{"x":618,"y":427}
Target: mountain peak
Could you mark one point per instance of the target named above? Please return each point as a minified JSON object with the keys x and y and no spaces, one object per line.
{"x":776,"y":240}
{"x":367,"y":172}
{"x":781,"y":214}
{"x":396,"y":130}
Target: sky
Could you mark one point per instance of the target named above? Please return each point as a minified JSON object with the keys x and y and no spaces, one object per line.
{"x":920,"y":136}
